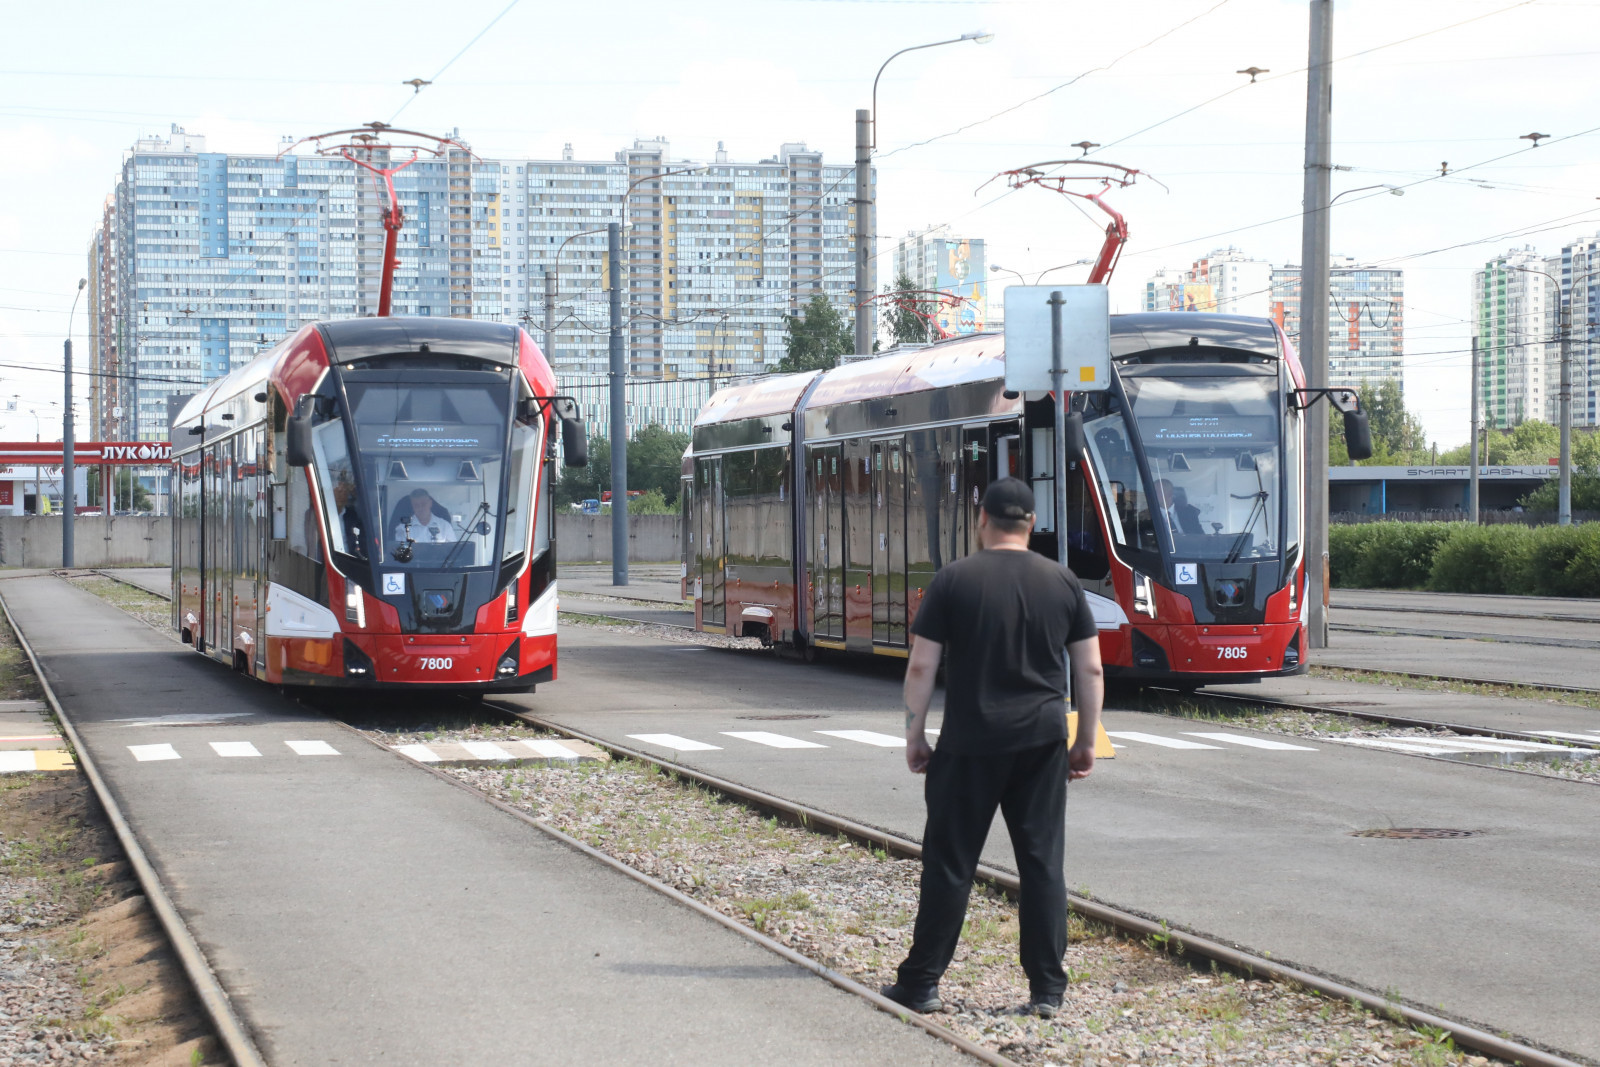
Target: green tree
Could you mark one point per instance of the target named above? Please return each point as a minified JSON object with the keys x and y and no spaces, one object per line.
{"x":655,"y":463}
{"x":905,"y":324}
{"x":816,"y":340}
{"x":1397,"y":435}
{"x":128,"y":492}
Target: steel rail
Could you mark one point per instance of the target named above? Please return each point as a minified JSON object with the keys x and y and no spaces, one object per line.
{"x":218,"y":1005}
{"x":843,"y":982}
{"x":1590,"y":620}
{"x":1128,"y":922}
{"x":1426,"y":677}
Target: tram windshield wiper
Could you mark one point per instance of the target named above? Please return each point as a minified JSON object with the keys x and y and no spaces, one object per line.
{"x":1258,"y":509}
{"x":467,"y":529}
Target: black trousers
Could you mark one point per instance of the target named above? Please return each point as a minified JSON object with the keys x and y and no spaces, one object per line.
{"x":1030,"y":789}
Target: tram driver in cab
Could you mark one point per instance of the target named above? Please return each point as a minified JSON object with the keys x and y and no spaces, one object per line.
{"x":428,"y":520}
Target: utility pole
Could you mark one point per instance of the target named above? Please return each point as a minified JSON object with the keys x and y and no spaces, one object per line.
{"x":863,"y":231}
{"x":1314,"y":311}
{"x":1564,"y":490}
{"x":550,"y":315}
{"x":619,"y":413}
{"x":69,"y":498}
{"x":1472,"y":441}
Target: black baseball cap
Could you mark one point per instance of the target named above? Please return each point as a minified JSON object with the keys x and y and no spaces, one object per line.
{"x":1009,"y":498}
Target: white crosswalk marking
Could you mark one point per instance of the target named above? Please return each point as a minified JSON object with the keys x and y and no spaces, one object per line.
{"x":673,"y":741}
{"x":1495,"y":744}
{"x":1252,"y":742}
{"x":147,"y":753}
{"x":312,"y":748}
{"x":1593,"y":739}
{"x":1415,"y":746}
{"x":1156,"y":739}
{"x":234,"y":748}
{"x":420,"y":753}
{"x":550,"y":749}
{"x":761,"y":737}
{"x":486,"y":750}
{"x":867,"y":737}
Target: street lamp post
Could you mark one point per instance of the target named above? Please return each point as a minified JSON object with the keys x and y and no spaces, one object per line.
{"x":994,"y":267}
{"x":866,"y":144}
{"x":68,"y":494}
{"x":1394,"y":190}
{"x":551,"y":283}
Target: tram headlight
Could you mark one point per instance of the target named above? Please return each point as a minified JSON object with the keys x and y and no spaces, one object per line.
{"x":1144,"y":595}
{"x":511,"y":662}
{"x":355,"y":605}
{"x":511,"y":604}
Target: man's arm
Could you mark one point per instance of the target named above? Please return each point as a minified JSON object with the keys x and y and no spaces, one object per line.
{"x":1089,"y":689}
{"x":921,"y":669}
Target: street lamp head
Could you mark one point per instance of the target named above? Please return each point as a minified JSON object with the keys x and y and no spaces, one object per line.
{"x":82,"y":282}
{"x":980,"y":36}
{"x":1395,"y":190}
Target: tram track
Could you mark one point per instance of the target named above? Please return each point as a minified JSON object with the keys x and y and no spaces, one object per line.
{"x":1184,"y":942}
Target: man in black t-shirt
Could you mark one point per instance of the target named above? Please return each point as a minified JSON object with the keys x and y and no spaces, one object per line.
{"x":1008,"y":618}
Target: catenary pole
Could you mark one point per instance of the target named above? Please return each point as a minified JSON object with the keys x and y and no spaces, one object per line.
{"x":863,"y":231}
{"x":1472,"y":443}
{"x":1564,"y":489}
{"x":619,"y":413}
{"x":1314,"y":239}
{"x":69,"y":497}
{"x":1059,"y":458}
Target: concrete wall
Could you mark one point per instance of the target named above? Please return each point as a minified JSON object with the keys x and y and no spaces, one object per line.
{"x":586,"y":538}
{"x":98,"y":541}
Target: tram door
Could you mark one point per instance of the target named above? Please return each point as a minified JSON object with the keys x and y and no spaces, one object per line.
{"x":855,"y":467}
{"x":827,"y":543}
{"x":975,"y":471}
{"x":709,"y":539}
{"x":889,"y":542}
{"x":219,"y":577}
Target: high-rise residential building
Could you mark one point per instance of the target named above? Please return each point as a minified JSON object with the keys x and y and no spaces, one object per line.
{"x":957,"y":266}
{"x":1578,"y":267}
{"x":1226,"y":281}
{"x":205,"y":258}
{"x":1366,"y":321}
{"x":1516,"y":303}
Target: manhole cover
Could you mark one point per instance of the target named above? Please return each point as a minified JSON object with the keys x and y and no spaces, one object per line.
{"x":1350,"y":704}
{"x":1414,"y":833}
{"x":777,"y":718}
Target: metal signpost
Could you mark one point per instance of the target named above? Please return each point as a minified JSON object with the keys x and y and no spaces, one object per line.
{"x":1058,"y":339}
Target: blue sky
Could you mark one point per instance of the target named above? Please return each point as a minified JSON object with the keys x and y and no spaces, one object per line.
{"x":79,"y":81}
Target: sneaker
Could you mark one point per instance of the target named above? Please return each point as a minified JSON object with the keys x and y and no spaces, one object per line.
{"x":1044,"y":1006}
{"x":921,"y":1001}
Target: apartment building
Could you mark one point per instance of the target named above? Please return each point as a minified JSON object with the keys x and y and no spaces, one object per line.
{"x":1226,"y":281}
{"x":204,"y":259}
{"x":1516,"y":300}
{"x":956,"y":266}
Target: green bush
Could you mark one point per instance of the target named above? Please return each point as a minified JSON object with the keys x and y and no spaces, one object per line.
{"x":1461,"y":558}
{"x":1385,"y":555}
{"x":1481,"y":559}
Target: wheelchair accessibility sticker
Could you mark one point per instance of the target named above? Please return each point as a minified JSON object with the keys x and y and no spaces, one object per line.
{"x":1186,"y":574}
{"x":394,"y":584}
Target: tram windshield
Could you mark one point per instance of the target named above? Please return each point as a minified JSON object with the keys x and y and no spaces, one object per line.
{"x":1212,"y":442}
{"x":444,"y":479}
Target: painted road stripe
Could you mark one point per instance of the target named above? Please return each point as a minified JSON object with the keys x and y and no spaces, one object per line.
{"x":1156,"y":739}
{"x":234,"y":748}
{"x":761,"y":737}
{"x":1495,"y":745}
{"x":550,"y":749}
{"x":485,"y":750}
{"x":146,"y":753}
{"x":673,"y":741}
{"x":1414,"y":747}
{"x":1593,"y":739}
{"x":1253,"y":742}
{"x":34,"y":737}
{"x":35,"y":760}
{"x":420,"y":753}
{"x":867,"y":737}
{"x":312,"y":748}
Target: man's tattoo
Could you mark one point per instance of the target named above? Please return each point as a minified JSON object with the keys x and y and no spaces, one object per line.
{"x":911,"y":717}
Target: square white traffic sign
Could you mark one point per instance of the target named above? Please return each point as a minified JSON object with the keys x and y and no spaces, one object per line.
{"x":1085,"y":337}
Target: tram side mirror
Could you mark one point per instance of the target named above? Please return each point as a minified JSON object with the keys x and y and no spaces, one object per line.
{"x":574,"y":443}
{"x":298,"y":443}
{"x":1357,"y":435}
{"x":1072,"y":436}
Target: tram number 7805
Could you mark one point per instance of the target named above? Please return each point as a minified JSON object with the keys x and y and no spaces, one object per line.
{"x":1231,"y":652}
{"x":437,"y":663}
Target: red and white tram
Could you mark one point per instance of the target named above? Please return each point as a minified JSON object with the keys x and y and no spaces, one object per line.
{"x":820,"y":505}
{"x":368,"y":505}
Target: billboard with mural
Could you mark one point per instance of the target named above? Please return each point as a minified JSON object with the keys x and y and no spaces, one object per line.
{"x":963,"y":273}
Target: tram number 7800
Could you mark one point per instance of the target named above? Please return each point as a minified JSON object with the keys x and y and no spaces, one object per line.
{"x":437,"y":663}
{"x":1231,"y":652}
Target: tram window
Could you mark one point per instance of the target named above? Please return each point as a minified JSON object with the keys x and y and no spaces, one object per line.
{"x":525,"y":452}
{"x":1120,"y":481}
{"x":340,"y":502}
{"x":302,"y":519}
